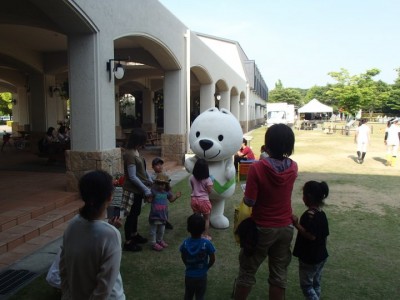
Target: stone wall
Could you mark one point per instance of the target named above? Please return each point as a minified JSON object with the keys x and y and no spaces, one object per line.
{"x":80,"y":162}
{"x":173,"y":147}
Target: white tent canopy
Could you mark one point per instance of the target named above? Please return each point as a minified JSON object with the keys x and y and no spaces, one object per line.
{"x":314,"y":106}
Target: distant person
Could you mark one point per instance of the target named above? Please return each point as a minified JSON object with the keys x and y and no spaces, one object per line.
{"x":63,"y":134}
{"x":202,"y":186}
{"x":6,"y":139}
{"x":91,"y":251}
{"x":198,"y":255}
{"x":245,"y":153}
{"x":51,"y":135}
{"x":310,"y":246}
{"x":158,"y":216}
{"x":158,"y":168}
{"x":268,"y":191}
{"x":362,"y":138}
{"x":392,"y":139}
{"x":50,"y":145}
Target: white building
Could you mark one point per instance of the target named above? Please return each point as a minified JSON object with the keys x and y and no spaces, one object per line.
{"x":59,"y":49}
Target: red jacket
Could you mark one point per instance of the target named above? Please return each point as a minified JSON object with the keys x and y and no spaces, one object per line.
{"x":269,"y":185}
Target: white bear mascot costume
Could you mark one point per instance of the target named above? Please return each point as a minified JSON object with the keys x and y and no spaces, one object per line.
{"x":216,"y":136}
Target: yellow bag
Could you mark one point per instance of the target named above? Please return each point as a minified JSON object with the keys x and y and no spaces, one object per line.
{"x":242,"y":211}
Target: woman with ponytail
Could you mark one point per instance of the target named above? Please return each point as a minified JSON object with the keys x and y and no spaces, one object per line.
{"x":91,"y":251}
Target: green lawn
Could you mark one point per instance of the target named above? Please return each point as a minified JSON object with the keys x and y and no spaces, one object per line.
{"x":363,"y":211}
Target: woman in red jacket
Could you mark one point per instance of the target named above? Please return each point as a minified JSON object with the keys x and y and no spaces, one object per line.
{"x":268,"y":191}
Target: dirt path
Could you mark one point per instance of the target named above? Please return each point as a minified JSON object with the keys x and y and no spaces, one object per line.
{"x":371,"y":186}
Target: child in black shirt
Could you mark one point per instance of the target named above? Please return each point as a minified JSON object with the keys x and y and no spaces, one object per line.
{"x":310,"y":246}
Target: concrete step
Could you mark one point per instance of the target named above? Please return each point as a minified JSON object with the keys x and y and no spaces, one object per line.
{"x":26,"y":229}
{"x":20,"y":252}
{"x":32,"y":207}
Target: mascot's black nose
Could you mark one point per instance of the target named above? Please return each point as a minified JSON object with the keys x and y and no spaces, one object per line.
{"x":206,"y":144}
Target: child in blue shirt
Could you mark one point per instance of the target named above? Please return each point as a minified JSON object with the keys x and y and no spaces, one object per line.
{"x":198,"y":255}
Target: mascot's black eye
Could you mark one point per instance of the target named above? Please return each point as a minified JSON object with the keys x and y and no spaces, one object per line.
{"x":197,"y":134}
{"x":220,"y":137}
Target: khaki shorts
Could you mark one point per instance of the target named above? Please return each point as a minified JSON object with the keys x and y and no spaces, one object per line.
{"x":273,"y":243}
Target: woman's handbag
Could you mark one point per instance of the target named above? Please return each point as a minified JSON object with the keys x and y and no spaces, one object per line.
{"x":242,"y":212}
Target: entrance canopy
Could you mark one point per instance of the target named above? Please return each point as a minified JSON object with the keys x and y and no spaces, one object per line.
{"x":314,"y":106}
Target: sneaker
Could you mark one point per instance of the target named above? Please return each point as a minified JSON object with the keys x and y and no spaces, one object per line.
{"x":163,"y":244}
{"x":139,"y":239}
{"x":133,"y":247}
{"x":168,"y":225}
{"x":157,"y":247}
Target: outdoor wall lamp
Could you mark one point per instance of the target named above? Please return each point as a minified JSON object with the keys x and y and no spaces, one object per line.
{"x":217,"y":96}
{"x":241,"y":102}
{"x":118,"y":69}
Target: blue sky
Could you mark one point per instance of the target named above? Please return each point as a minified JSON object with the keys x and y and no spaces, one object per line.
{"x":300,"y":41}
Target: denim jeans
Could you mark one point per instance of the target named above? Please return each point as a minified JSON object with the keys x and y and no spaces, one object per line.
{"x":310,"y":279}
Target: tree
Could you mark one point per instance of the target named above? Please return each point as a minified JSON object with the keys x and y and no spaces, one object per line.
{"x":372,"y":97}
{"x":320,"y":93}
{"x":382,"y":94}
{"x":393,"y":101}
{"x":356,"y":92}
{"x":6,"y":104}
{"x":288,"y":95}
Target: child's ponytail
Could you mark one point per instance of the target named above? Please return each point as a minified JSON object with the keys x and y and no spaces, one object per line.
{"x":315,"y":191}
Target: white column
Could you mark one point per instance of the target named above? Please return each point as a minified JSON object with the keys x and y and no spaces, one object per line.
{"x":247,"y":107}
{"x":37,"y":103}
{"x":117,"y":106}
{"x":92,"y":94}
{"x":148,"y":106}
{"x":54,"y":109}
{"x":242,"y":112}
{"x":188,"y":108}
{"x":235,"y":106}
{"x":257,"y":112}
{"x":21,"y":109}
{"x":206,"y":97}
{"x":174,"y":103}
{"x":225,"y":100}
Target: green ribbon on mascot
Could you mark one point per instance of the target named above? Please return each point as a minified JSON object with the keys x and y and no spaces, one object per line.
{"x":222,"y":188}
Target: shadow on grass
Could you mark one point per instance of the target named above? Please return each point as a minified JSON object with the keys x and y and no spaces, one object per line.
{"x":380,"y":159}
{"x":363,"y":247}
